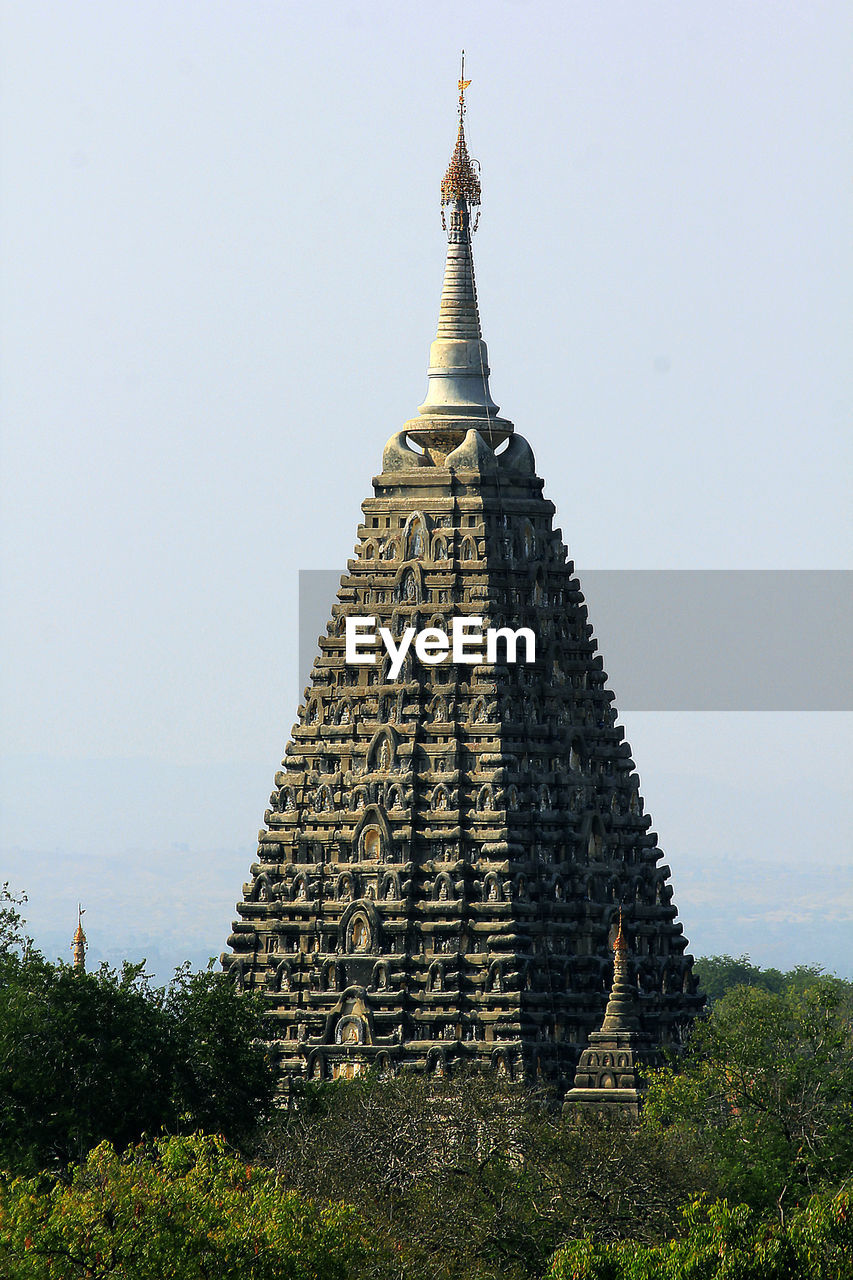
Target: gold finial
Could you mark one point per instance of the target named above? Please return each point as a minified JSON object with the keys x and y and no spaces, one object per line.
{"x":620,"y":942}
{"x":463,"y":85}
{"x":79,"y":944}
{"x":461,"y":181}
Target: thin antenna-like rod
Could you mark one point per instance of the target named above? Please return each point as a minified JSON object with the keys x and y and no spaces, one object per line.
{"x":463,"y":85}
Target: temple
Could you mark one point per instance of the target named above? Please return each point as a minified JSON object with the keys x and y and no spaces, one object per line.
{"x":445,"y":854}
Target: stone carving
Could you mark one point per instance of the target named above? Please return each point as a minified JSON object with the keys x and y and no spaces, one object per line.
{"x":504,"y":797}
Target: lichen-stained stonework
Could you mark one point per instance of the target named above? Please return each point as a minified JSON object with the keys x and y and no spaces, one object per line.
{"x":445,"y":854}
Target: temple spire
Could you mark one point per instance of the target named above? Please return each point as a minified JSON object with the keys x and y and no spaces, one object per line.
{"x":610,"y":1070}
{"x":79,"y":943}
{"x":621,"y":1011}
{"x":458,"y":396}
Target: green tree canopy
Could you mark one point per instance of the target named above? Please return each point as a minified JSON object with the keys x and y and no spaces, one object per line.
{"x":93,"y":1056}
{"x":719,"y":974}
{"x":13,"y":940}
{"x":767,"y":1082}
{"x":475,"y":1177}
{"x":183,"y":1207}
{"x":725,"y":1242}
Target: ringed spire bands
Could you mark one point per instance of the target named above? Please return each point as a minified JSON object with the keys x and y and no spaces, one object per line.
{"x":458,"y":397}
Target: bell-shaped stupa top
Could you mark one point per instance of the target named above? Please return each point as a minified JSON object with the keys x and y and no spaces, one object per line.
{"x":458,"y":396}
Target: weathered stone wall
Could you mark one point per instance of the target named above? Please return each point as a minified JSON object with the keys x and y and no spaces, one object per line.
{"x":444,"y":855}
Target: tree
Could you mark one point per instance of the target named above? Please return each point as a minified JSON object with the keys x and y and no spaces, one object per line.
{"x":91,"y":1056}
{"x":719,"y":974}
{"x":222,"y":1078}
{"x":84,"y":1057}
{"x":769,"y":1080}
{"x":725,"y":1242}
{"x":474,"y":1177}
{"x":13,"y":940}
{"x":184,"y":1207}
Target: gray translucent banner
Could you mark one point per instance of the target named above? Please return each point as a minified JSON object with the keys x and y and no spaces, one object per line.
{"x":692,"y":640}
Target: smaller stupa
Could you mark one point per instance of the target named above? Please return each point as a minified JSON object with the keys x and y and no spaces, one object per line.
{"x":79,"y":943}
{"x":608,"y":1074}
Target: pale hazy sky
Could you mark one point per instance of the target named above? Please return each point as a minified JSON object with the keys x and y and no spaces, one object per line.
{"x":221,"y":266}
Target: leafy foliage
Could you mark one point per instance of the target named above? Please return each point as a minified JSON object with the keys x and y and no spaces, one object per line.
{"x":470,"y":1177}
{"x":719,"y":974}
{"x":13,"y":940}
{"x":768,"y":1081}
{"x":726,"y":1242}
{"x":93,"y":1056}
{"x":222,"y":1079}
{"x":183,"y":1207}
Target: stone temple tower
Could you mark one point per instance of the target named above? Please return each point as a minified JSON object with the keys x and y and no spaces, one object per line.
{"x":445,"y":853}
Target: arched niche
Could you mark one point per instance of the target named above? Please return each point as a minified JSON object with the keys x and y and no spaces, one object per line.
{"x":438,"y":708}
{"x":315,"y":1066}
{"x":346,"y":887}
{"x":384,"y":1065}
{"x":527,"y":545}
{"x":479,"y":714}
{"x":359,"y":928}
{"x":324,"y":801}
{"x":439,"y":548}
{"x":492,"y":888}
{"x":441,"y":798}
{"x":394,"y":797}
{"x":359,"y":799}
{"x":443,"y":889}
{"x":371,"y":844}
{"x":436,"y":1062}
{"x":415,"y":536}
{"x":501,"y":1064}
{"x":352,"y":1029}
{"x":485,"y":797}
{"x":360,"y":934}
{"x":389,"y":889}
{"x":353,"y":1002}
{"x":382,"y":752}
{"x":372,"y":835}
{"x":343,"y":712}
{"x":409,"y":584}
{"x":262,"y":889}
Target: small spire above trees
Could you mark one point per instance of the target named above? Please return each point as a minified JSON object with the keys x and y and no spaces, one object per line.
{"x":79,"y":945}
